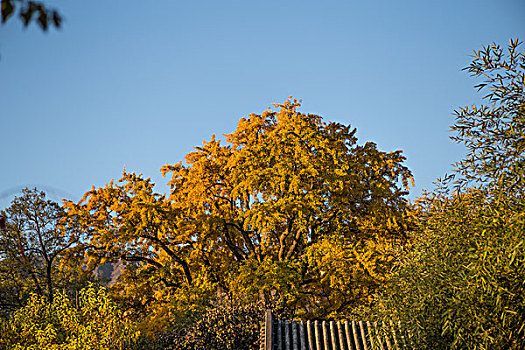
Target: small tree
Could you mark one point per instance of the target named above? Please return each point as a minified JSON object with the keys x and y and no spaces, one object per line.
{"x":30,"y":247}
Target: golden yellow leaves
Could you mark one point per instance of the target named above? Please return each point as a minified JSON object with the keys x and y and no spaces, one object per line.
{"x":254,"y":210}
{"x":283,"y":181}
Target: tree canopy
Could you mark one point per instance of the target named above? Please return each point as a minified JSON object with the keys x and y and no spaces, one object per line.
{"x":288,"y":209}
{"x":494,"y":133}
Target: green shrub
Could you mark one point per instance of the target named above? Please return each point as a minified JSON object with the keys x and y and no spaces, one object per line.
{"x":462,"y":284}
{"x":95,"y":324}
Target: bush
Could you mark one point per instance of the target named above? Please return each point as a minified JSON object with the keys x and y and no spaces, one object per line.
{"x":95,"y":324}
{"x":222,"y":325}
{"x":462,"y":285}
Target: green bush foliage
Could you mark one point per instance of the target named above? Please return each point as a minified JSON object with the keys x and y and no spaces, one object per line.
{"x":462,"y":284}
{"x":95,"y":323}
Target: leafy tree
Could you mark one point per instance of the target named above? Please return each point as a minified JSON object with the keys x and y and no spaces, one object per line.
{"x":95,"y":323}
{"x":27,"y":10}
{"x":461,"y":284}
{"x":253,"y":218}
{"x":30,"y":248}
{"x":284,"y":183}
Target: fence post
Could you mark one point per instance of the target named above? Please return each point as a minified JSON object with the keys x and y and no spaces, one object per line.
{"x":268,"y":331}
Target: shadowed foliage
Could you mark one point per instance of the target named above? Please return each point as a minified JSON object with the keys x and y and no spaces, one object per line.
{"x":29,"y":11}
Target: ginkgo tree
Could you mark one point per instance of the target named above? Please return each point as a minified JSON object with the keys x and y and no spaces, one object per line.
{"x":288,"y":209}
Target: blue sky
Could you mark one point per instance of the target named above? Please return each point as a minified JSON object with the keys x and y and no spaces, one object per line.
{"x":139,"y":83}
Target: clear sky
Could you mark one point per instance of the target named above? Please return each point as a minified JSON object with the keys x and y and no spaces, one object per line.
{"x":139,"y":83}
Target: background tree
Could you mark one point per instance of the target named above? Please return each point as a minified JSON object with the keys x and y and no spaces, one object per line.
{"x":30,"y":247}
{"x":91,"y":322}
{"x":126,"y":221}
{"x":461,"y":285}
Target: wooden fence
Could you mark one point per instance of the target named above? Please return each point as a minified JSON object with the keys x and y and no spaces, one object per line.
{"x":329,"y":335}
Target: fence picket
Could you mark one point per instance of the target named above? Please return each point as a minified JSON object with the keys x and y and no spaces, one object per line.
{"x":325,"y":336}
{"x":357,"y":336}
{"x":279,"y":335}
{"x":287,"y":336}
{"x":294,"y":335}
{"x":301,"y":336}
{"x":377,"y":338}
{"x":341,"y":337}
{"x":348,"y":325}
{"x":386,"y":336}
{"x":332,"y":335}
{"x":276,"y":334}
{"x":317,"y":336}
{"x":310,"y":335}
{"x":364,"y":334}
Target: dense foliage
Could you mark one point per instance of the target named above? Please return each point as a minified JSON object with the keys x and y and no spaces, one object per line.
{"x":462,"y":282}
{"x":254,"y":219}
{"x":91,"y":322}
{"x":223,"y":324}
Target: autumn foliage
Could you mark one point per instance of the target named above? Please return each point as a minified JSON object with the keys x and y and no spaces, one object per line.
{"x":288,"y":210}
